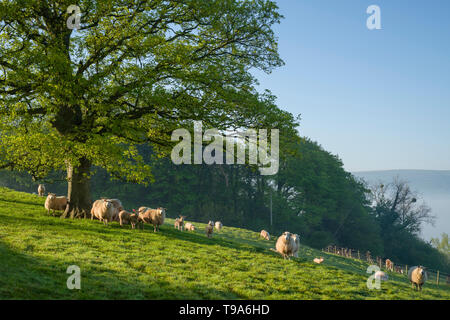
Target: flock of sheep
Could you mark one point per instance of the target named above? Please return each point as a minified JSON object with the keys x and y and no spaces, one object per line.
{"x":287,"y":245}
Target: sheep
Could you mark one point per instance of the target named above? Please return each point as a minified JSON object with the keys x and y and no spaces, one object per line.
{"x":264,"y":234}
{"x":103,"y":210}
{"x":285,"y":245}
{"x":389,"y":265}
{"x":41,"y":190}
{"x":296,"y":245}
{"x":179,"y":223}
{"x":218,"y":225}
{"x":318,"y":261}
{"x":117,"y":206}
{"x":55,"y":203}
{"x":152,"y":216}
{"x":189,"y":227}
{"x":381,"y":276}
{"x":209,"y":229}
{"x":126,"y":217}
{"x":418,"y":276}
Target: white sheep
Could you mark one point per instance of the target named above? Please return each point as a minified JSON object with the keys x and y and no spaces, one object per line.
{"x":318,"y":260}
{"x":264,"y":234}
{"x":41,"y":190}
{"x":417,"y":276}
{"x":118,"y":208}
{"x":55,"y":203}
{"x":103,"y":210}
{"x":189,"y":227}
{"x":285,"y":245}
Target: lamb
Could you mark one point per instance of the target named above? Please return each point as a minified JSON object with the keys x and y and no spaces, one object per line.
{"x":41,"y":190}
{"x":126,"y":217}
{"x":389,"y":265}
{"x":318,"y":261}
{"x":296,"y":245}
{"x":418,"y":276}
{"x":55,"y":203}
{"x":152,"y":216}
{"x":264,"y":234}
{"x":103,"y":210}
{"x":209,"y":229}
{"x":189,"y":227}
{"x":381,"y":275}
{"x":285,"y":245}
{"x":179,"y":223}
{"x":218,"y":225}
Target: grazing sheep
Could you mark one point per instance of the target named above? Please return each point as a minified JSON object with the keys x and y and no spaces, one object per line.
{"x":152,"y":216}
{"x":209,"y":229}
{"x":103,"y":210}
{"x":296,"y":245}
{"x":126,"y":217}
{"x":189,"y":227}
{"x":218,"y":225}
{"x":418,"y":276}
{"x":117,"y":206}
{"x":285,"y":245}
{"x":41,"y":190}
{"x":55,"y":203}
{"x":318,"y":261}
{"x":264,"y":234}
{"x":179,"y":223}
{"x":389,"y":265}
{"x":381,"y":275}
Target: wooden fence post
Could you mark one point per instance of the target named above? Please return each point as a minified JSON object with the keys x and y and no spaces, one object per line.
{"x":359,"y":257}
{"x":437,"y":278}
{"x":406,"y":270}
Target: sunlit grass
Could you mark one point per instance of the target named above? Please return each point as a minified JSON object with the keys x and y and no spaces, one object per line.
{"x":121,"y":263}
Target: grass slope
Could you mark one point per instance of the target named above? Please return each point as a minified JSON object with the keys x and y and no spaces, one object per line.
{"x":120,"y":263}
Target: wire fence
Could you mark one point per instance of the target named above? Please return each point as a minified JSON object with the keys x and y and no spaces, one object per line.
{"x":435,"y":276}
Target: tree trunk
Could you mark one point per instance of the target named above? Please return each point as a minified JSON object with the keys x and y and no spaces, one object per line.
{"x":78,"y":193}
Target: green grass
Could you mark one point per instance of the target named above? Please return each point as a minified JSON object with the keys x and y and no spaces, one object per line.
{"x":120,"y":263}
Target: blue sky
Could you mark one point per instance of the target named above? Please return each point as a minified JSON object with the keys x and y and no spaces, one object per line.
{"x":380,"y":99}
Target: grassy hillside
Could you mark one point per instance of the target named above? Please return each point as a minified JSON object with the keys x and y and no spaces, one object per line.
{"x":432,"y":185}
{"x":120,"y":263}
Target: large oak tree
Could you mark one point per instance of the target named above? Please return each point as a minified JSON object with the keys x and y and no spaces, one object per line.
{"x":133,"y":72}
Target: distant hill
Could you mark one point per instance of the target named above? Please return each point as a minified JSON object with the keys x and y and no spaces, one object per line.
{"x":432,"y":185}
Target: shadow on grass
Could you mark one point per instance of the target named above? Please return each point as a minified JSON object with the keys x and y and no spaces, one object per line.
{"x":23,"y":276}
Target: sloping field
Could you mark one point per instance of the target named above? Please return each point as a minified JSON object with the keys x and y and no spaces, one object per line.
{"x":120,"y":263}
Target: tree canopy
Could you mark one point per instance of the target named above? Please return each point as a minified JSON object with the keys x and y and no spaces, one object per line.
{"x":132,"y":73}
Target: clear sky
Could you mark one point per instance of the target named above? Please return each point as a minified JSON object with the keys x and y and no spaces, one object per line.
{"x":380,"y":99}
